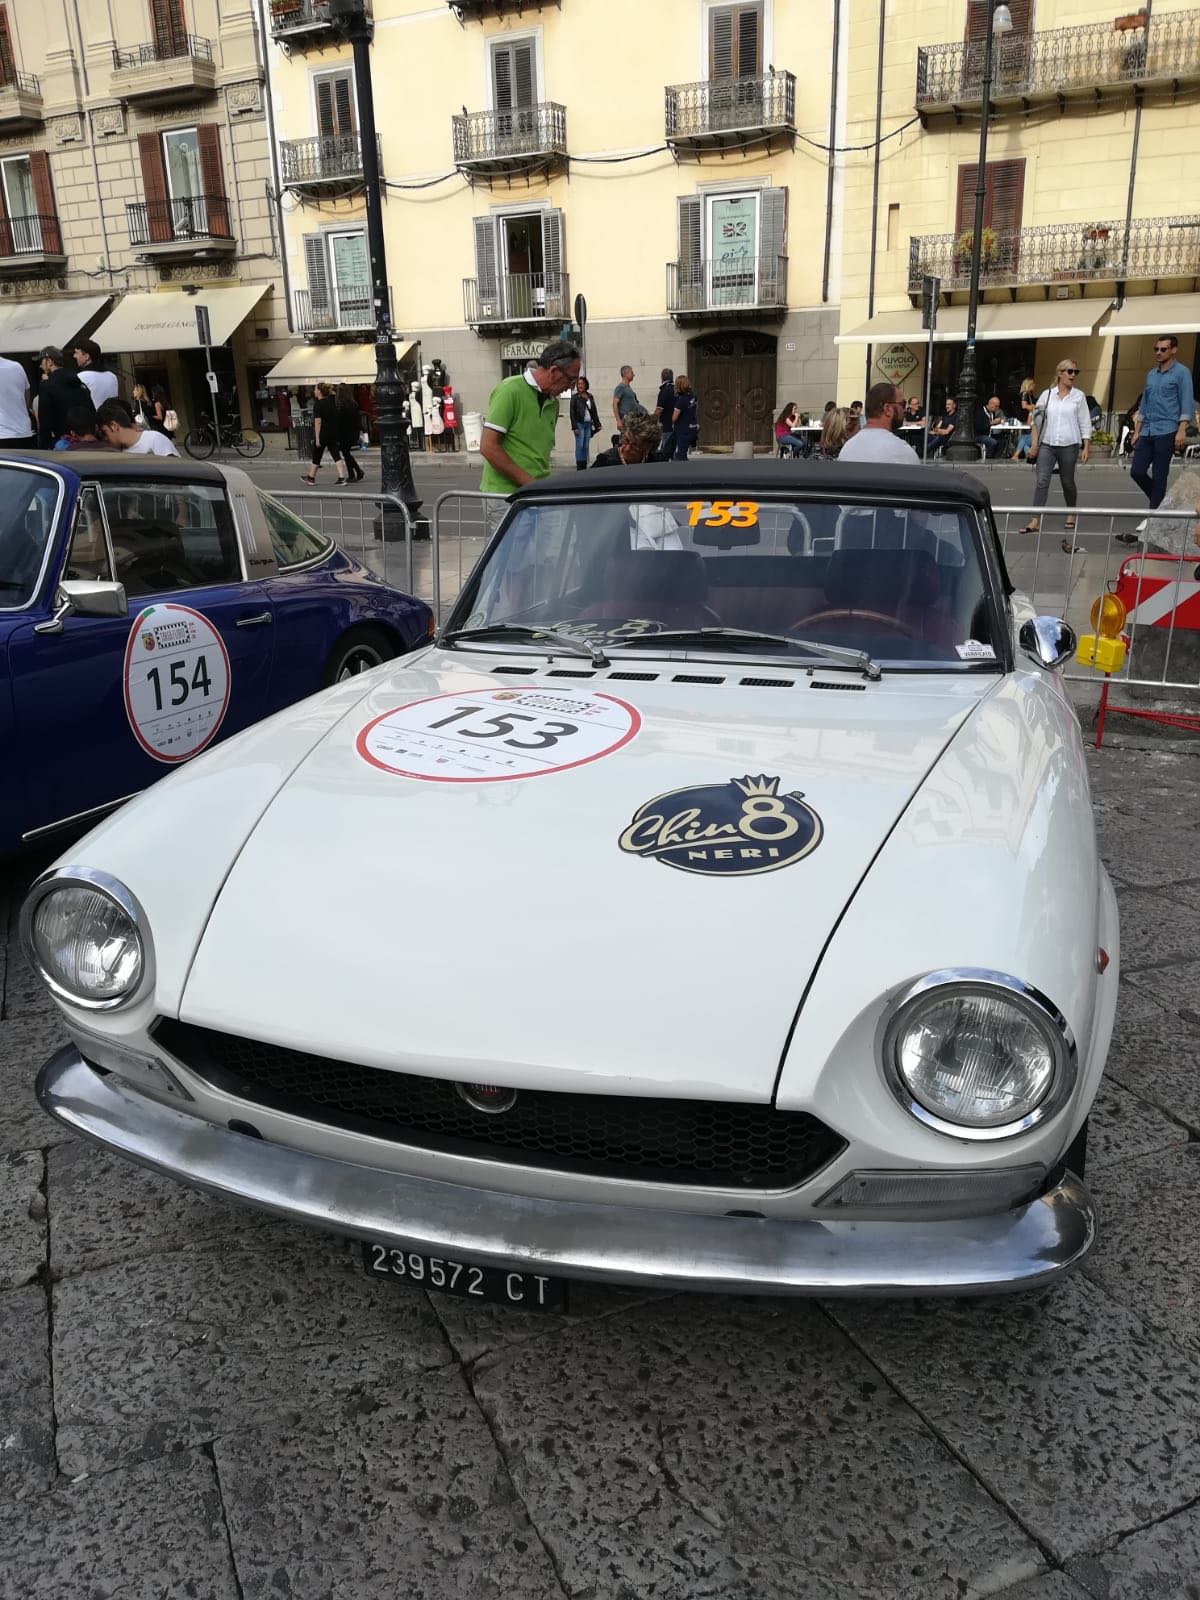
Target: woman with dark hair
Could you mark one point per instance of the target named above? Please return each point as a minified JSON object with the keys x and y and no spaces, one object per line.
{"x":787,"y":440}
{"x":349,"y":429}
{"x":684,"y":423}
{"x":324,"y":434}
{"x":585,"y":421}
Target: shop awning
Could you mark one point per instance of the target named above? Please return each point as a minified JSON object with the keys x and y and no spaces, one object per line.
{"x":167,"y":321}
{"x":329,"y":363}
{"x":1160,"y":313}
{"x":28,"y":325}
{"x":1022,"y":319}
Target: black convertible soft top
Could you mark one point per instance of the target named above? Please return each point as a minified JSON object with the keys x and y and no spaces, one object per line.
{"x":93,"y":464}
{"x":850,"y":480}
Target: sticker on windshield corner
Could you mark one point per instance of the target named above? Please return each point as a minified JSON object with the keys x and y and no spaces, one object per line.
{"x":497,"y":735}
{"x":734,"y":829}
{"x":974,"y":650}
{"x":176,"y":682}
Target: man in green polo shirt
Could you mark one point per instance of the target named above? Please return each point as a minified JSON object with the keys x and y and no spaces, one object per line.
{"x":518,"y":431}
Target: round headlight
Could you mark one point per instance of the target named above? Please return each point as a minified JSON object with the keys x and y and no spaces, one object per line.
{"x":84,"y":939}
{"x":979,"y":1056}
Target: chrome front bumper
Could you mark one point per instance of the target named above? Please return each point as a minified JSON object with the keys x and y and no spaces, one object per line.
{"x":1020,"y":1249}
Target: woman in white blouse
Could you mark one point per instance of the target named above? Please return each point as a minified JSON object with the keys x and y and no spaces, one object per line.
{"x":1062,"y":438}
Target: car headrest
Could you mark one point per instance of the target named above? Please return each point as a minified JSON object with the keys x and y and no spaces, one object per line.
{"x":662,"y":575}
{"x":882,"y":580}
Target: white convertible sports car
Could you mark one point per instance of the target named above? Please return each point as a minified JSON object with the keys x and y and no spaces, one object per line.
{"x":715,"y":904}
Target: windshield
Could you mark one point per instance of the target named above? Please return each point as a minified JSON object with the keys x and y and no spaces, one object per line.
{"x":904,"y":584}
{"x":28,"y":503}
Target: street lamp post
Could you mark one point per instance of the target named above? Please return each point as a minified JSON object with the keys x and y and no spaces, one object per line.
{"x":961,"y":445}
{"x":350,"y":18}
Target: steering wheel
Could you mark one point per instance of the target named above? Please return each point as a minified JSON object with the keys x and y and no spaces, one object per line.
{"x":154,"y":575}
{"x":848,"y":613}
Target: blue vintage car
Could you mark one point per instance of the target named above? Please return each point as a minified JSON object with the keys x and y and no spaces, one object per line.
{"x":151,"y":607}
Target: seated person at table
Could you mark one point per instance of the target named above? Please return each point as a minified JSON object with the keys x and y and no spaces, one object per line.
{"x":787,"y":440}
{"x":914,"y":411}
{"x":994,"y":444}
{"x":942,"y":429}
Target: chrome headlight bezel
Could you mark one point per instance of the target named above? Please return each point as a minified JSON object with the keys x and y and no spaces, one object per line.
{"x":112,"y":889}
{"x":1031,"y":1002}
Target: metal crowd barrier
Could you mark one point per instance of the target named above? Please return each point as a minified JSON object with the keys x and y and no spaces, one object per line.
{"x":463,"y":521}
{"x":356,"y":521}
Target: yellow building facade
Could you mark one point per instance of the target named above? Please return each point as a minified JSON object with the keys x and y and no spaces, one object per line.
{"x":1092,"y":214}
{"x":135,"y":182}
{"x":668,"y":162}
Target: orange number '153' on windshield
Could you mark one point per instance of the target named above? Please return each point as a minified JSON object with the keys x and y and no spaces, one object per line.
{"x":723,"y":513}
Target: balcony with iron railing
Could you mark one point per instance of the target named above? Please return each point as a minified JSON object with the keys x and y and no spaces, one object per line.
{"x":30,"y":242}
{"x":340,"y":309}
{"x":300,"y":23}
{"x":1153,"y":249}
{"x":163,"y":70}
{"x":731,"y":112}
{"x":525,"y":139}
{"x":335,"y":158}
{"x":753,"y":287}
{"x":478,"y":10}
{"x":512,"y":298}
{"x":193,"y":225}
{"x":20,"y":100}
{"x":1062,"y":63}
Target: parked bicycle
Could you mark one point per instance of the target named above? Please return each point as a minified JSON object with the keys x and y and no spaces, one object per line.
{"x":202,"y":441}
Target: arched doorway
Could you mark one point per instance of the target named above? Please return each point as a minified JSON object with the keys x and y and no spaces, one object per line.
{"x":733,"y":375}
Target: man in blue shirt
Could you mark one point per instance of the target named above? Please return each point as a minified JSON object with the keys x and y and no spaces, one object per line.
{"x":1166,"y":410}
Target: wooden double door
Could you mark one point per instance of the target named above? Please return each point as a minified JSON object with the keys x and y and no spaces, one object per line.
{"x":733,"y":375}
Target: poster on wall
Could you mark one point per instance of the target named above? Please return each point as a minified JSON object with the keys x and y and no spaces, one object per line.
{"x":896,"y":363}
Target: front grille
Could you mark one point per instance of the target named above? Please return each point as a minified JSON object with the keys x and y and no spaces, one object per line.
{"x":700,"y":1143}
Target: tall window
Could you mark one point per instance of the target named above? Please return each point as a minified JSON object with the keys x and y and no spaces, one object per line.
{"x":514,"y":88}
{"x":735,"y":35}
{"x":519,"y":266}
{"x":184,"y":183}
{"x":8,"y":65}
{"x":340,"y":294}
{"x":1003,"y":193}
{"x":731,"y":248}
{"x":169,"y":24}
{"x":28,"y":223}
{"x":335,"y":104}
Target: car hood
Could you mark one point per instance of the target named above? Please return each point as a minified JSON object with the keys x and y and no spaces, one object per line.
{"x":500,"y":932}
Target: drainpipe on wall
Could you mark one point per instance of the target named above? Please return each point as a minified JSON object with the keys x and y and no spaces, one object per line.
{"x":1110,"y":397}
{"x":832,"y":166}
{"x":260,"y":41}
{"x":91,"y":135}
{"x":875,"y":191}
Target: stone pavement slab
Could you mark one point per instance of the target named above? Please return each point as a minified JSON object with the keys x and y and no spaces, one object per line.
{"x":25,"y":1043}
{"x":1156,"y":1053}
{"x":1176,"y":986}
{"x":1123,"y":1128}
{"x":154,"y":1532}
{"x":1158,"y":1563}
{"x":1151,"y":939}
{"x":1051,"y":1586}
{"x":474,"y":1330}
{"x":22,"y":1218}
{"x":158,"y":1354}
{"x":737,"y":1449}
{"x":27,"y":1463}
{"x":400,"y":1493}
{"x":1063,"y":1403}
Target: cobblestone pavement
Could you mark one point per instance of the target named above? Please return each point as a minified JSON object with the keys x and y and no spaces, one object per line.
{"x":201,"y":1403}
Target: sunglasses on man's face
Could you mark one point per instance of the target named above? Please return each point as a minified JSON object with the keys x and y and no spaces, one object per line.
{"x":1162,"y":349}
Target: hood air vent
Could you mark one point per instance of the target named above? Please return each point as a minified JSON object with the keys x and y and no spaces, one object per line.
{"x":854,"y":688}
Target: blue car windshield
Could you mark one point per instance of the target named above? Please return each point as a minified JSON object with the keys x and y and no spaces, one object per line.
{"x":906,"y":584}
{"x":28,"y":504}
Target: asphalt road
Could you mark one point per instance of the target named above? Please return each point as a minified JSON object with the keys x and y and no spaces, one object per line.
{"x":199,"y":1403}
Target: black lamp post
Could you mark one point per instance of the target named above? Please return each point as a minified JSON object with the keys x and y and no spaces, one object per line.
{"x":350,"y":19}
{"x":961,"y":445}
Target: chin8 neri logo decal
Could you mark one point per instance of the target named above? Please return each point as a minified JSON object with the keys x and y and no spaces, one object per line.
{"x":732,"y":829}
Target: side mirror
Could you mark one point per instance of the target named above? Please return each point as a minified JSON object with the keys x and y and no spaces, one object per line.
{"x":1047,"y":640}
{"x":85,"y":597}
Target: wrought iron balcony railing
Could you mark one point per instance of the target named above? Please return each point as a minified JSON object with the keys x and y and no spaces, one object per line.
{"x":527,"y":133}
{"x":26,"y":82}
{"x":325,"y":159}
{"x":342,"y":308}
{"x":477,"y":10}
{"x":1062,"y":60}
{"x":517,"y":297}
{"x":724,"y":106}
{"x":38,"y":235}
{"x":747,"y":283}
{"x":158,"y":50}
{"x":1063,"y":252}
{"x":193,"y":217}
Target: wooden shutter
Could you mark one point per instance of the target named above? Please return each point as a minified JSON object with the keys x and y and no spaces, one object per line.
{"x":335,"y":104}
{"x":8,"y":66}
{"x":212,"y":179}
{"x":316,"y":264}
{"x":170,"y":27}
{"x":552,"y":264}
{"x":1003,"y":193}
{"x":772,"y":244}
{"x":43,"y":197}
{"x":979,"y":18}
{"x":514,"y":75}
{"x":154,"y":184}
{"x":735,"y":41}
{"x":485,"y":266}
{"x":689,"y":270}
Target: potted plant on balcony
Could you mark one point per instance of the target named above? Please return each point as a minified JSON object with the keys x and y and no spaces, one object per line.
{"x":1094,"y":254}
{"x":989,"y":249}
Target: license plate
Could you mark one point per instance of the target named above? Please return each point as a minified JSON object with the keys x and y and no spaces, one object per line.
{"x":521,"y":1291}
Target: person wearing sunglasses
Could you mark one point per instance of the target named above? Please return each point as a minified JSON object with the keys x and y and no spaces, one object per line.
{"x":1163,"y":419}
{"x":1061,"y":434}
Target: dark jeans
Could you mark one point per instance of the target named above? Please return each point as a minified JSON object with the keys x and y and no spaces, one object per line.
{"x":668,"y":443}
{"x":1151,"y":465}
{"x":685,"y":438}
{"x":1066,"y":455}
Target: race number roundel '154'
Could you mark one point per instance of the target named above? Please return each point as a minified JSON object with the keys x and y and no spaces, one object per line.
{"x":496,"y":735}
{"x":177,"y":682}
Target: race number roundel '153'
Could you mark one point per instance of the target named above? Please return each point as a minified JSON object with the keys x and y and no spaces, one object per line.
{"x":177,"y":682}
{"x":496,"y":735}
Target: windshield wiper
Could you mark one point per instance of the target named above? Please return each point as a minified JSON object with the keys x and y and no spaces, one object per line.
{"x":573,"y":643}
{"x":834,"y":653}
